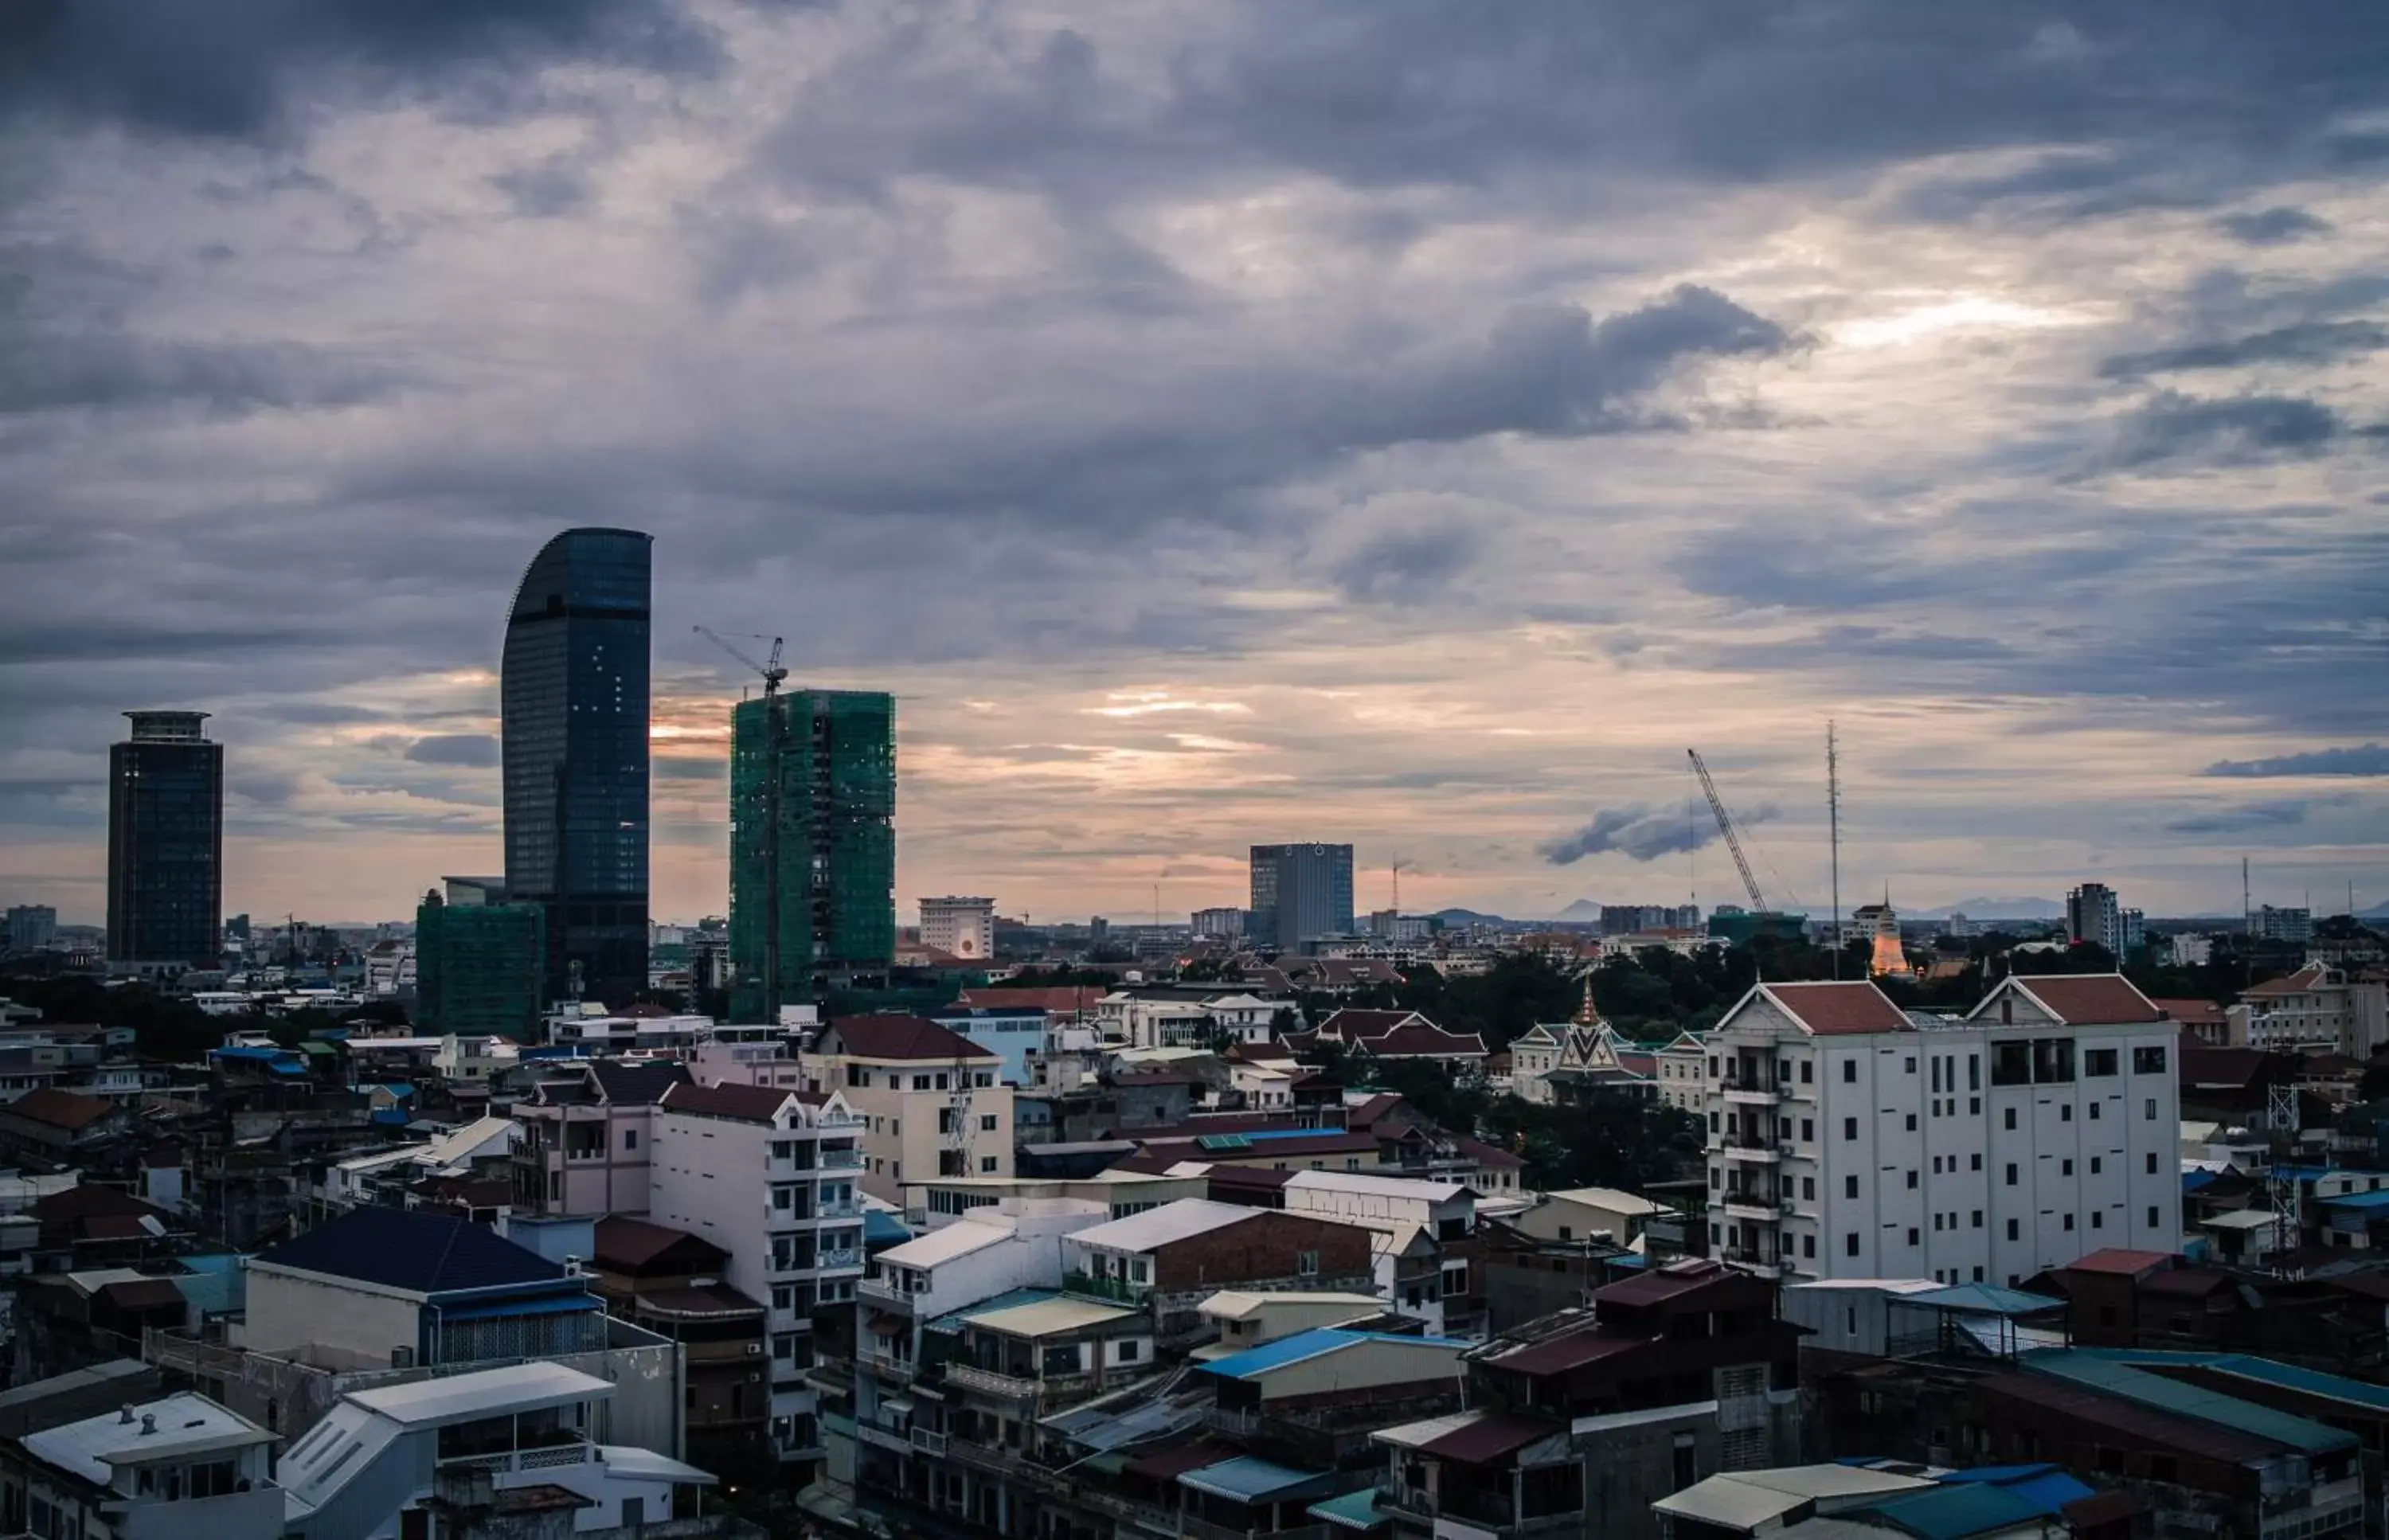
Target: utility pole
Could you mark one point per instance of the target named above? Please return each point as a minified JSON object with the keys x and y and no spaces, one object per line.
{"x":1833,"y":819}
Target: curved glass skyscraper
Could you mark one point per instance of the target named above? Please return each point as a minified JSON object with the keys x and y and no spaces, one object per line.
{"x":574,"y":696}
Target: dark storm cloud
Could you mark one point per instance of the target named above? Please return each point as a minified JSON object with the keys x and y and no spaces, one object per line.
{"x":2234,"y":429}
{"x":2311,"y":344}
{"x":2232,"y":821}
{"x":52,"y":370}
{"x":235,"y":68}
{"x":2274,"y":227}
{"x":1646,"y":833}
{"x":476,"y":750}
{"x":1407,"y":565}
{"x":2362,"y":759}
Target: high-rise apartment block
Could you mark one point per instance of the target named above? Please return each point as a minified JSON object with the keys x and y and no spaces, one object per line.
{"x":32,"y":926}
{"x":165,"y":845}
{"x":1223,"y":923}
{"x":479,"y":966}
{"x":932,"y":1101}
{"x":574,"y":698}
{"x":1848,"y":1139}
{"x":2095,"y":918}
{"x":1300,"y":891}
{"x":2283,"y":925}
{"x":959,"y":927}
{"x":834,"y":845}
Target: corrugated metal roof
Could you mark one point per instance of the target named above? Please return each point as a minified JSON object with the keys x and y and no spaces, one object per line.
{"x":1985,"y":1297}
{"x":1316,"y":1342}
{"x":1957,"y":1512}
{"x":2112,"y":1377}
{"x":1354,"y":1510}
{"x":1047,"y":1317}
{"x":1158,"y":1227}
{"x":1249,"y":1479}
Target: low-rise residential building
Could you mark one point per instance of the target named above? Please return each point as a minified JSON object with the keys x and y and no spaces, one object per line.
{"x":1166,"y":1262}
{"x":929,"y":1099}
{"x":588,"y":1139}
{"x":2318,"y":1009}
{"x":1425,"y":1256}
{"x":770,"y":1175}
{"x":1248,"y":1318}
{"x":1588,"y":1213}
{"x":170,"y":1468}
{"x":670,"y":1282}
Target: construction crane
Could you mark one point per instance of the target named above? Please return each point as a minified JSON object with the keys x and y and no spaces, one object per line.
{"x":774,"y":739}
{"x":1725,"y":827}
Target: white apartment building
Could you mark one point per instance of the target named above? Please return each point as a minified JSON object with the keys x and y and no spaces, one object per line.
{"x":1847,"y":1139}
{"x":931,"y":1102}
{"x":2316,"y":1010}
{"x":959,"y":927}
{"x":1414,"y":1222}
{"x":769,"y":1175}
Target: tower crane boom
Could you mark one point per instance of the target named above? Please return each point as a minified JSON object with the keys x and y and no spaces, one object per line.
{"x":1725,"y":827}
{"x":774,"y":739}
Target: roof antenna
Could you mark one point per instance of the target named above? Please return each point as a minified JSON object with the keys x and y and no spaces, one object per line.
{"x":1833,"y":817}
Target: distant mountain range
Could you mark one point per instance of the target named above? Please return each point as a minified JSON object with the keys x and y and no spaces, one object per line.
{"x":1993,"y":908}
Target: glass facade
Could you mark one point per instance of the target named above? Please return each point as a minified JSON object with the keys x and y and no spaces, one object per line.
{"x":1300,"y":891}
{"x":165,"y":842}
{"x":574,"y":698}
{"x":836,"y":846}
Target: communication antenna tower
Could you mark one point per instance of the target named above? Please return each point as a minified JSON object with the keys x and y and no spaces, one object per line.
{"x":2281,"y":1117}
{"x":1833,"y":817}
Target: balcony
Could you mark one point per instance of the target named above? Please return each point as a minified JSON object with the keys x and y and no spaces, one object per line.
{"x":881,"y":1293}
{"x":850,"y":1257}
{"x":1193,"y":1528}
{"x":1761,"y":1263}
{"x":929,"y":1442}
{"x":988,"y":1381}
{"x":1752,"y":1093}
{"x":895,"y":1370}
{"x":555,"y":1457}
{"x":851,"y":1208}
{"x":1746,"y":1147}
{"x":1743,"y":1204}
{"x":841,"y":1160}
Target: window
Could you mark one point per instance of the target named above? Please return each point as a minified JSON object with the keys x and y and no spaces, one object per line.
{"x":1914,"y":1238}
{"x":1912,"y":1181}
{"x":2152,"y":1163}
{"x":1306,"y":1264}
{"x":2011,"y":1063}
{"x":2149,"y":1112}
{"x":2149,"y":1060}
{"x":1974,"y":1072}
{"x":1850,"y":1243}
{"x":2069,"y":1222}
{"x":2094,"y":1165}
{"x":2012,"y":1229}
{"x":2097,"y":1220}
{"x":630,"y":1139}
{"x":1850,"y":1078}
{"x":1911,"y":1063}
{"x":2065,"y":1168}
{"x":1937,"y":1224}
{"x":920,"y":1082}
{"x":1849,"y":1186}
{"x":1977,"y":1218}
{"x":987,"y":1123}
{"x":1807,"y":1129}
{"x":987,"y":1164}
{"x":2008,"y":1116}
{"x":1850,"y":1128}
{"x":1128,"y":1350}
{"x":2098,"y":1062}
{"x":1911,"y":1123}
{"x":2094,"y":1111}
{"x":1809,"y":1187}
{"x":2012,"y":1173}
{"x":2153,"y":1216}
{"x":1806,"y":1067}
{"x":1976,"y":1163}
{"x":1808,"y":1245}
{"x":941,"y":1084}
{"x":2066,"y":1111}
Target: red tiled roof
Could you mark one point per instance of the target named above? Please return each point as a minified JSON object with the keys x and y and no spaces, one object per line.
{"x":2090,"y":999}
{"x":2121,"y":1262}
{"x":1834,"y":1010}
{"x":146,"y":1293}
{"x":1486,"y":1155}
{"x":1558,"y":1354}
{"x":634,"y":1242}
{"x":59,"y":1109}
{"x":897,"y":1037}
{"x":744,"y":1103}
{"x":1488,"y":1438}
{"x":2191,"y":1012}
{"x":1366,"y":1113}
{"x":2302,"y":982}
{"x":89,"y":1201}
{"x":1349,"y":1023}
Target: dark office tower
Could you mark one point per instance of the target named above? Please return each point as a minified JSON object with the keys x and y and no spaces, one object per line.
{"x":165,"y":844}
{"x":1300,"y":891}
{"x":835,"y":848}
{"x":575,"y":702}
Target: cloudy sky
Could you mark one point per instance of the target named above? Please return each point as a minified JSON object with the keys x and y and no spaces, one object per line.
{"x":1225,"y":421}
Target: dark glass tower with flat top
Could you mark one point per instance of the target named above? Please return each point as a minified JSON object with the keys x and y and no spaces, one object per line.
{"x":165,"y":845}
{"x":574,"y":697}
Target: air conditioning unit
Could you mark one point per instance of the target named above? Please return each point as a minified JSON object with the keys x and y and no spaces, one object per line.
{"x":754,"y":1349}
{"x":401,"y":1358}
{"x":754,"y":1376}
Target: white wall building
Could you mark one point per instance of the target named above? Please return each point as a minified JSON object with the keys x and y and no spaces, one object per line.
{"x":931,"y":1102}
{"x":1412,"y":1220}
{"x":959,"y":927}
{"x":1847,"y":1140}
{"x":770,"y":1175}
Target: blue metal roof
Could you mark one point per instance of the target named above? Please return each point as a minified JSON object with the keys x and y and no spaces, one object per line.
{"x":1356,"y":1510}
{"x":2051,"y":1491}
{"x":2112,"y":1376}
{"x":421,"y":1252}
{"x":1249,"y":1479}
{"x":2193,"y":1179}
{"x":544,"y":1304}
{"x":2311,"y":1382}
{"x":1983,"y":1297}
{"x":1955,"y":1512}
{"x":2358,"y":1200}
{"x":1306,"y":1344}
{"x":879,"y":1225}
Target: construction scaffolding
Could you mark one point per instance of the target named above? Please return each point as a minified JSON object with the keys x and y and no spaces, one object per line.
{"x":827,"y":863}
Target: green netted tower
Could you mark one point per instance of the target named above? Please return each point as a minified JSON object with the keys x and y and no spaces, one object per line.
{"x":837,"y":846}
{"x":480,"y":967}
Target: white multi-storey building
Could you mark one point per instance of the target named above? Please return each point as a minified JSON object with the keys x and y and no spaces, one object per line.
{"x":770,"y":1175}
{"x":1847,"y":1139}
{"x":959,"y":927}
{"x":929,"y":1099}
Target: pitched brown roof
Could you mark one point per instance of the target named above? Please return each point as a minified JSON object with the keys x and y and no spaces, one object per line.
{"x":89,"y":1201}
{"x":625,"y":1243}
{"x":2191,"y":1012}
{"x":742,"y":1103}
{"x":2305,"y":980}
{"x":1833,"y":1009}
{"x":1419,"y":1040}
{"x":2090,"y":999}
{"x":144,"y":1294}
{"x":1056,"y":999}
{"x":2119,"y":1260}
{"x":59,"y":1109}
{"x":1350,"y":1025}
{"x":897,"y":1037}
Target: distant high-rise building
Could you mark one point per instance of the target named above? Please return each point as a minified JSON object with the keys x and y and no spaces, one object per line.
{"x":575,"y":704}
{"x":1300,"y":891}
{"x":165,"y":844}
{"x":31,"y":927}
{"x":1224,"y":923}
{"x":480,"y":965}
{"x":836,"y":844}
{"x":2285,"y":924}
{"x":2094,"y":918}
{"x":959,"y":927}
